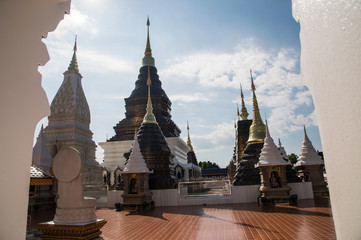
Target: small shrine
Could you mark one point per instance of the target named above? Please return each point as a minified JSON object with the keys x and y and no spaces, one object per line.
{"x":273,"y":172}
{"x":310,"y":167}
{"x":136,"y":194}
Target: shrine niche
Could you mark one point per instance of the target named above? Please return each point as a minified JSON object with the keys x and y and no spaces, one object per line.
{"x":273,"y":173}
{"x":136,"y":196}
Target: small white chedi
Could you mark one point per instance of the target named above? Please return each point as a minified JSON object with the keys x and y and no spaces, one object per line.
{"x":308,"y":155}
{"x":270,"y":155}
{"x":310,"y":167}
{"x":273,"y":171}
{"x":72,"y":206}
{"x":136,"y":163}
{"x":136,"y":194}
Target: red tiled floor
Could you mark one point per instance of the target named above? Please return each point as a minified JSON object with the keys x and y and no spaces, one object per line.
{"x":310,"y":220}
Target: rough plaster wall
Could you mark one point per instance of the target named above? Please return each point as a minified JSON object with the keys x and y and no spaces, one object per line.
{"x":330,"y":67}
{"x":23,"y":102}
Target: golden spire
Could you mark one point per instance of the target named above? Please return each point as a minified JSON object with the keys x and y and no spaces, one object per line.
{"x":189,"y":143}
{"x":148,"y":50}
{"x":238,"y":112}
{"x":149,"y":116}
{"x":235,"y":132}
{"x":257,"y":131}
{"x":244,"y":114}
{"x":73,"y":66}
{"x":148,"y":60}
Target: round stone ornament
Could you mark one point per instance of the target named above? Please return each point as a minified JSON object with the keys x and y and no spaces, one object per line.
{"x":67,"y":164}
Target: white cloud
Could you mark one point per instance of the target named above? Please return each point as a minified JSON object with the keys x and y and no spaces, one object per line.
{"x":99,"y":62}
{"x":278,"y":86}
{"x":187,"y":98}
{"x":220,"y":133}
{"x":74,"y":23}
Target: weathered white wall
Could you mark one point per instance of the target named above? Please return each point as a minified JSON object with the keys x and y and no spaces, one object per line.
{"x":240,"y":194}
{"x":22,"y":100}
{"x":331,"y":68}
{"x":302,"y":189}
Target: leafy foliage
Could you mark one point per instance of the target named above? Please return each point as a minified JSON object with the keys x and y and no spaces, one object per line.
{"x":208,"y":164}
{"x":292,"y":158}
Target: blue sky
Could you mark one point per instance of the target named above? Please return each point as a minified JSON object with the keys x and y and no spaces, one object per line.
{"x":203,"y":51}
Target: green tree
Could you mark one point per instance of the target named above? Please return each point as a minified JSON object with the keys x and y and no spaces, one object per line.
{"x":208,"y":164}
{"x":292,"y":158}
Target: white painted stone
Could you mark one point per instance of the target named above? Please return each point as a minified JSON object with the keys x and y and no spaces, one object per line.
{"x":240,"y":194}
{"x":113,"y":197}
{"x":302,"y":189}
{"x":23,"y":24}
{"x":330,"y":67}
{"x":114,"y":154}
{"x":270,"y":155}
{"x":178,"y":148}
{"x":136,"y":162}
{"x":72,"y":206}
{"x":308,"y":154}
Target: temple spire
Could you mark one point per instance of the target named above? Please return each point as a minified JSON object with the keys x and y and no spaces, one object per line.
{"x":189,"y":143}
{"x":73,"y":66}
{"x":244,"y":114}
{"x":305,"y":134}
{"x":148,"y":60}
{"x":238,"y":114}
{"x":235,"y":132}
{"x":149,"y":116}
{"x":257,"y":131}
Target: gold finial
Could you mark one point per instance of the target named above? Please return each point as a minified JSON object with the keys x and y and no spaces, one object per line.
{"x":244,"y":114}
{"x":148,"y":50}
{"x":189,"y":143}
{"x":257,"y":131}
{"x":149,"y":116}
{"x":253,"y":88}
{"x":148,"y":60}
{"x":73,"y":66}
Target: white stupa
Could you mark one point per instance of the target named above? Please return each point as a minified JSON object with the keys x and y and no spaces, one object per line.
{"x":270,"y":155}
{"x":308,"y":155}
{"x":136,"y":163}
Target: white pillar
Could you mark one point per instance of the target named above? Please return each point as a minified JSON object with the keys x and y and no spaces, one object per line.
{"x":22,"y":100}
{"x":330,"y":67}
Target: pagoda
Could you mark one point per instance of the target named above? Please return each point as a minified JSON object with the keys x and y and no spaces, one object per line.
{"x":192,"y":170}
{"x":246,"y":173}
{"x":69,"y":125}
{"x":272,"y":171}
{"x":242,"y":129}
{"x":310,"y":167}
{"x":154,"y":148}
{"x":136,"y":181}
{"x":135,"y":107}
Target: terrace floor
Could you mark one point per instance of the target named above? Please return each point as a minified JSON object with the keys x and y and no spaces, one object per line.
{"x":311,"y":219}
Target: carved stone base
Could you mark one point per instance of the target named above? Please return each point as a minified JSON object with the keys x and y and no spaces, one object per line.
{"x":84,"y":231}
